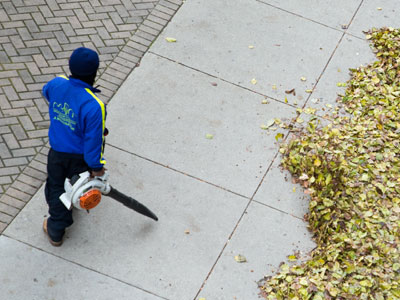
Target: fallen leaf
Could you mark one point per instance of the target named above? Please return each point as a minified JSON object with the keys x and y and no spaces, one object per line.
{"x":279,"y":136}
{"x":240,"y":258}
{"x":292,"y":91}
{"x":265,"y":101}
{"x":268,"y":124}
{"x":303,"y":176}
{"x":292,"y":257}
{"x":253,"y":81}
{"x":317,"y":162}
{"x":251,"y":47}
{"x":170,"y":40}
{"x":209,"y":136}
{"x":303,"y":79}
{"x":309,"y":91}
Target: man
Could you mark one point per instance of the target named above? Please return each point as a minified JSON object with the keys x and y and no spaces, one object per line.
{"x":76,"y":135}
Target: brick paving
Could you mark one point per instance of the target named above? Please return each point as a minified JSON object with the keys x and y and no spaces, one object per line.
{"x":36,"y":39}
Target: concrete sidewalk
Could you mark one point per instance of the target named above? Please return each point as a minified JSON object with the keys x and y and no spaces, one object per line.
{"x":215,"y":198}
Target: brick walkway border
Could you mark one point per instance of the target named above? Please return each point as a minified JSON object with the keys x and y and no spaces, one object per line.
{"x":32,"y":177}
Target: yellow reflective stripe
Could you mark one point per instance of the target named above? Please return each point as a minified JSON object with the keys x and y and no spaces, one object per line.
{"x":65,"y":77}
{"x":103,"y":114}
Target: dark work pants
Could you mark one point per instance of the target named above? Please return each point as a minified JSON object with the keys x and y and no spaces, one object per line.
{"x":60,"y":166}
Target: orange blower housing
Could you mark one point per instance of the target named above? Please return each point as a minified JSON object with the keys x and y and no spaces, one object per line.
{"x":90,"y":199}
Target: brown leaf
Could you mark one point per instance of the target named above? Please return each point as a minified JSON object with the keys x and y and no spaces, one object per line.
{"x":292,"y":91}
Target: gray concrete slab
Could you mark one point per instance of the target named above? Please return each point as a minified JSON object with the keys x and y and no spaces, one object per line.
{"x":278,"y":191}
{"x":214,"y":37}
{"x":335,"y":15}
{"x":265,"y":237}
{"x":164,"y":111}
{"x":351,"y":53}
{"x":157,"y":257}
{"x":29,"y":273}
{"x":375,"y":13}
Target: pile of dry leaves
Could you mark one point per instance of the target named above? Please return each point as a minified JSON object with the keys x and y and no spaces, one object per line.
{"x":351,"y":169}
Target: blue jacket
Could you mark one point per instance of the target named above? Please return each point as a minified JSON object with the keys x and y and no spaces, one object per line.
{"x":77,"y":119}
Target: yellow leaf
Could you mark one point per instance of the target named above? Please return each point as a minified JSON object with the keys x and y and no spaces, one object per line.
{"x":303,"y":79}
{"x":335,"y":131}
{"x":366,"y":283}
{"x":292,"y":257}
{"x":253,"y":81}
{"x":209,"y":136}
{"x":240,"y":258}
{"x":265,"y":101}
{"x":269,"y":124}
{"x":317,"y":162}
{"x":303,"y":281}
{"x":251,"y":47}
{"x":274,"y":87}
{"x":309,"y":91}
{"x":279,"y":136}
{"x":375,"y":80}
{"x":170,"y":40}
{"x":328,"y":178}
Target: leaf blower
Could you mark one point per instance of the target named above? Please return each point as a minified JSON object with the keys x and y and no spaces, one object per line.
{"x":84,"y":192}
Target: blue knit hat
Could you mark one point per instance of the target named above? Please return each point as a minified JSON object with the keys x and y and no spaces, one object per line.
{"x":83,"y":62}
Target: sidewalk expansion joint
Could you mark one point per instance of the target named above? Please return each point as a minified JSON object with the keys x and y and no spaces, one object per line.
{"x":85,"y":267}
{"x":298,"y":15}
{"x":238,"y":222}
{"x":279,"y":210}
{"x":178,"y":171}
{"x":222,"y":79}
{"x":222,"y":250}
{"x":333,"y":53}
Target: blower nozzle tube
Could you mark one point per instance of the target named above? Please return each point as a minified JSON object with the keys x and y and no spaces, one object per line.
{"x":131,"y":203}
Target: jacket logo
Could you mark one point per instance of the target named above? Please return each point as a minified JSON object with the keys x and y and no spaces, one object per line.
{"x":64,"y":114}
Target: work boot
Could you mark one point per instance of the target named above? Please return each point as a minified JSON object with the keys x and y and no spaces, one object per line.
{"x":53,"y":243}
